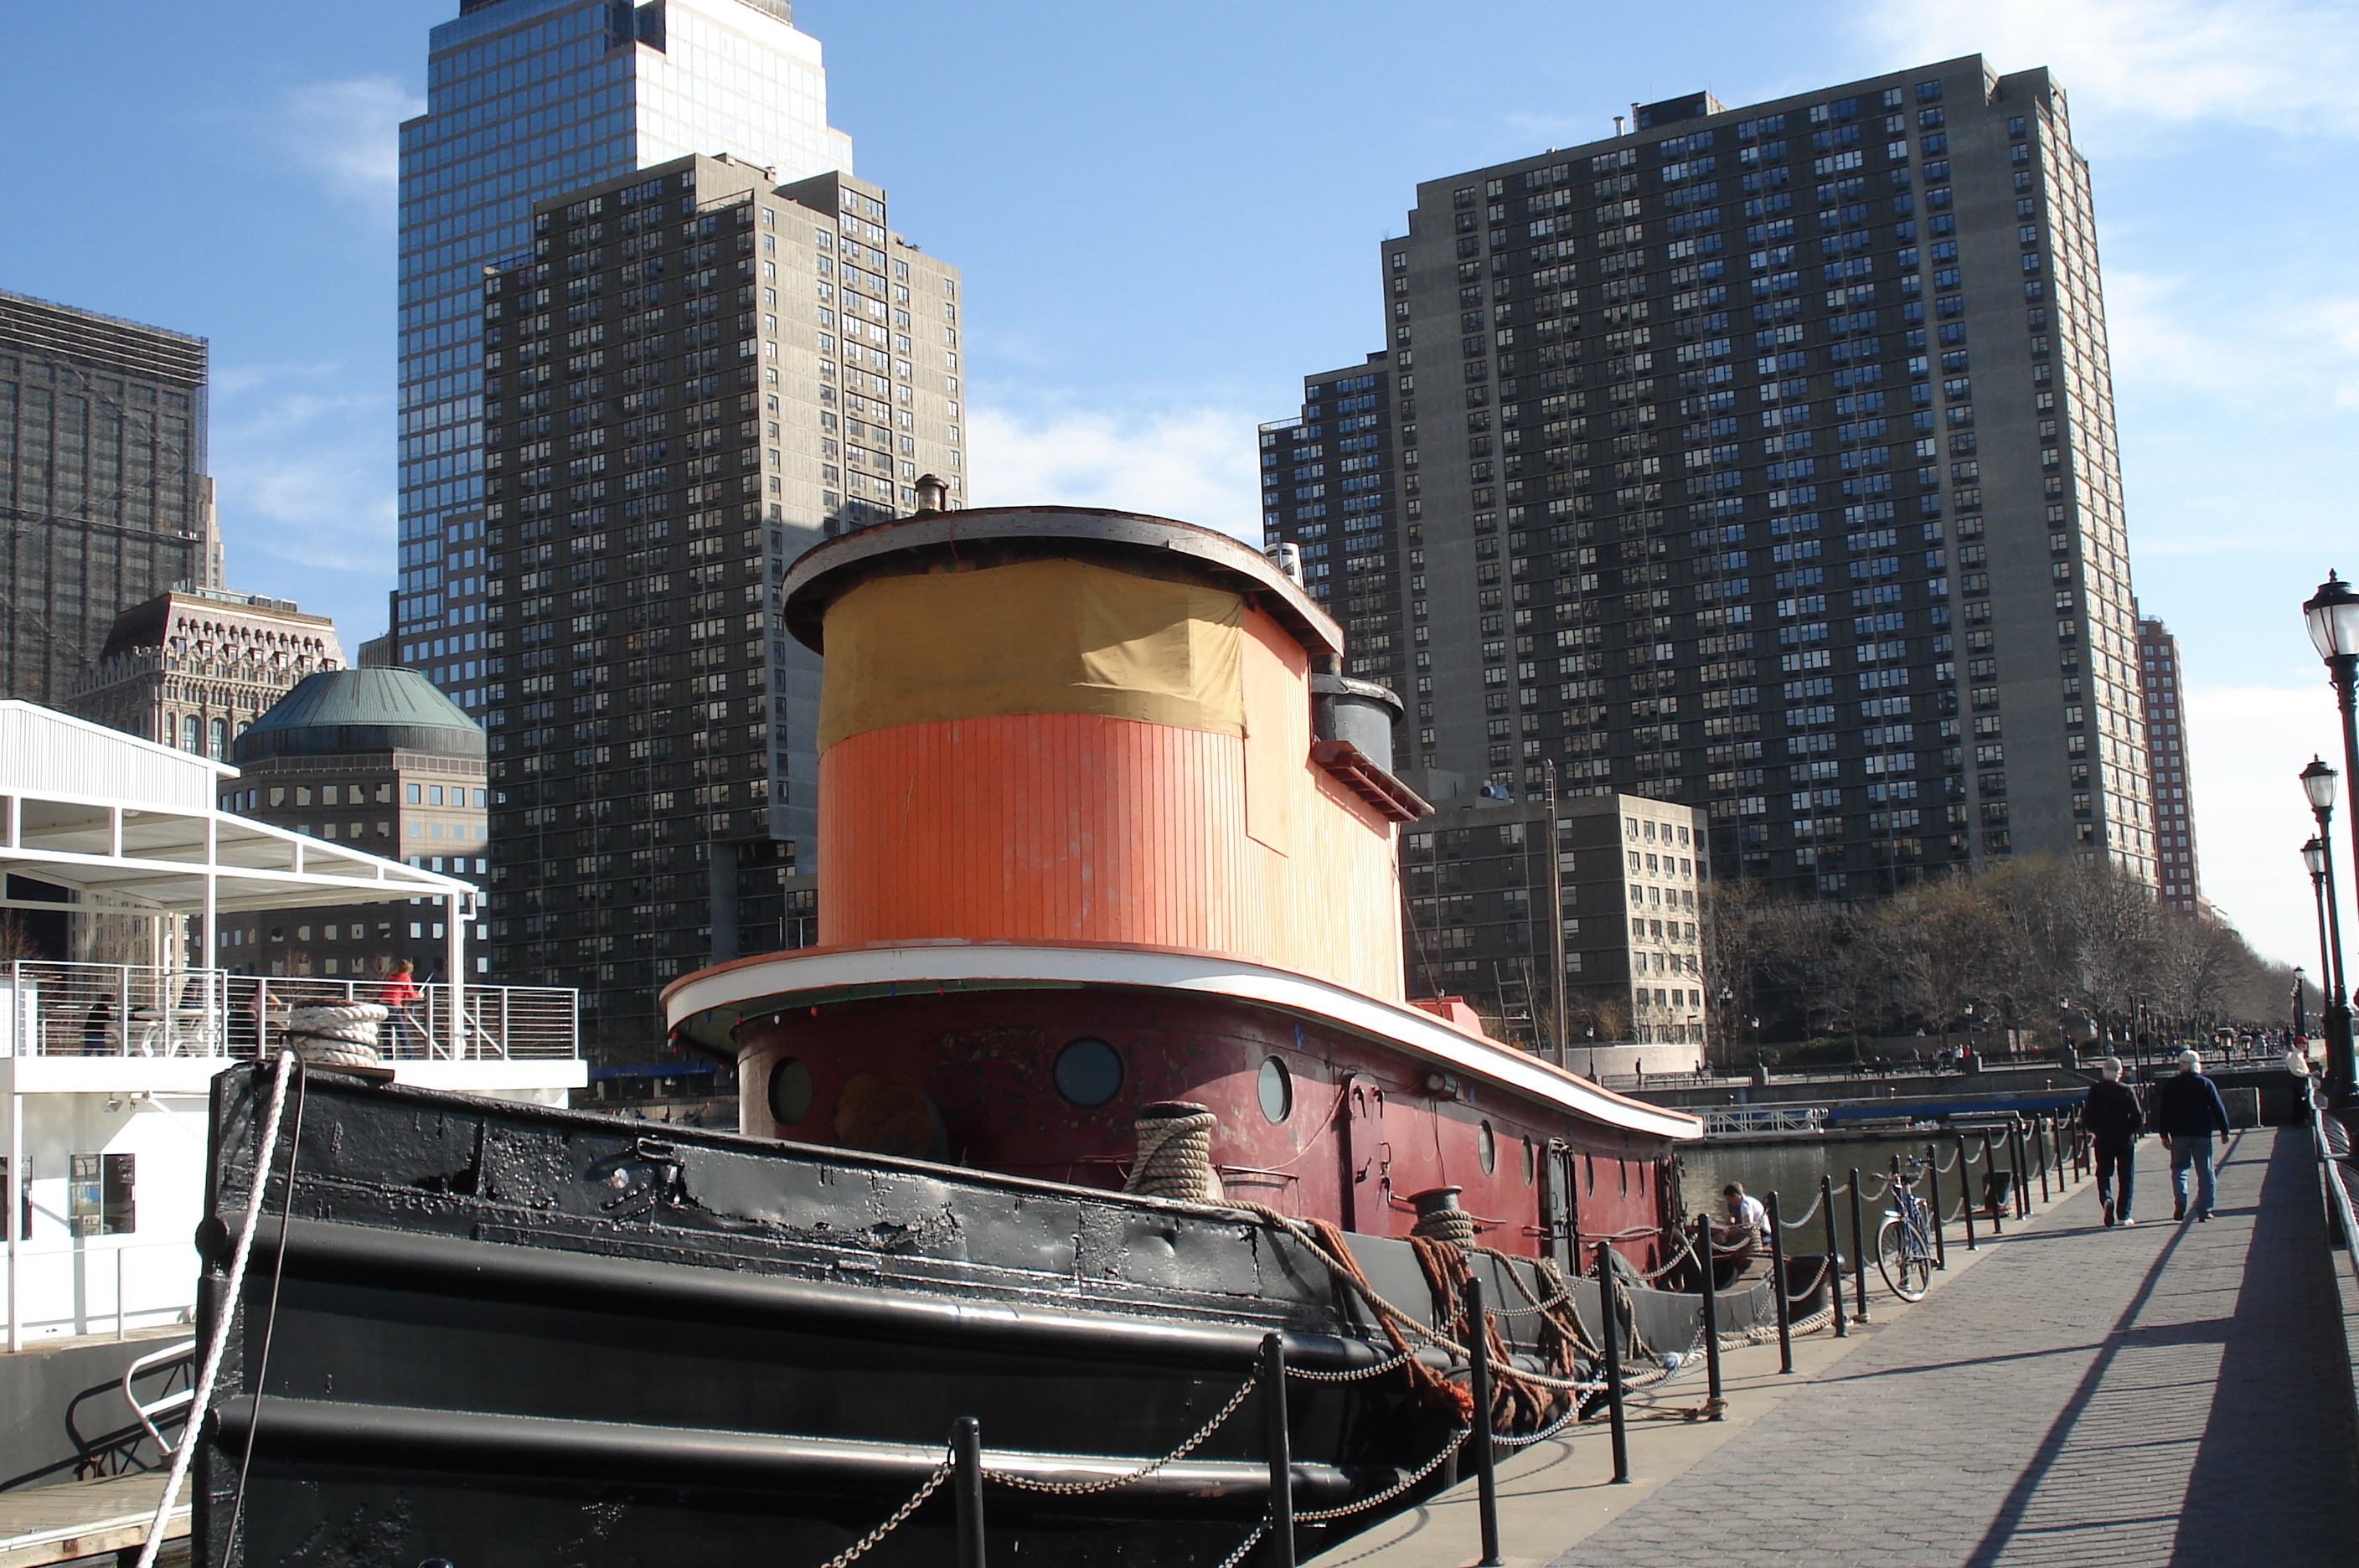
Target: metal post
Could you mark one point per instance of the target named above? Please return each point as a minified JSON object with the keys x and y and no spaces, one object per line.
{"x":1933,"y":1180}
{"x":1609,"y":1310}
{"x":1778,"y":1288}
{"x":2039,"y":1130}
{"x":119,"y":1312}
{"x":1280,"y":1443}
{"x":1858,"y":1255}
{"x":1478,"y":1367}
{"x":1834,"y":1254}
{"x":2022,"y":1157}
{"x":1709,"y":1267}
{"x":966,"y":1464}
{"x":454,"y":950}
{"x":1556,"y":922}
{"x":15,"y":1198}
{"x":1967,"y":1192}
{"x":1997,"y":1210}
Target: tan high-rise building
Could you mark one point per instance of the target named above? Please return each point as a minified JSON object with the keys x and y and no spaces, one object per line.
{"x":194,"y":667}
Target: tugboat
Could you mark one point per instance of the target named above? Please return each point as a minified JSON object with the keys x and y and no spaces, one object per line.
{"x":1100,"y":1085}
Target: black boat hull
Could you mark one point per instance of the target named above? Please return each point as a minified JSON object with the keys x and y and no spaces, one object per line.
{"x":489,"y":1333}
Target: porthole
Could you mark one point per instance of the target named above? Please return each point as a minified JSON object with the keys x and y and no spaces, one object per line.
{"x":1530,"y":1162}
{"x":790,"y":1091}
{"x":1486,"y":1144}
{"x":1277,"y":1090}
{"x":1088,"y":1072}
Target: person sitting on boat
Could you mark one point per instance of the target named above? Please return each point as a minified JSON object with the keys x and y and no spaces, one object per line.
{"x":1737,"y":1243}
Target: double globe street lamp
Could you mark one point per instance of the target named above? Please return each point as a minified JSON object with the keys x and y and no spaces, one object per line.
{"x":2333,"y":615}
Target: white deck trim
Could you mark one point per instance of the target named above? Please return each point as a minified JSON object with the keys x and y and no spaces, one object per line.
{"x":1419,"y":1033}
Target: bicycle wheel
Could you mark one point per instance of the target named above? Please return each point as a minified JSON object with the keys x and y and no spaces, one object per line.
{"x":1901,"y":1258}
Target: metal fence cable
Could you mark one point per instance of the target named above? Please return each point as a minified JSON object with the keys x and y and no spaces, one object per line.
{"x":1108,"y":1483}
{"x":860,"y":1547}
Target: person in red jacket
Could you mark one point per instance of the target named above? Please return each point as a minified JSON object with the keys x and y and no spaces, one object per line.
{"x":399,"y":992}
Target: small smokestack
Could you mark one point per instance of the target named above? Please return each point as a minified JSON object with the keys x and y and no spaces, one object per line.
{"x":933,"y":495}
{"x":1288,"y":558}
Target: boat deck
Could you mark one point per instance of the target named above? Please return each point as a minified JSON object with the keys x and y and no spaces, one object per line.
{"x":2066,"y":1396}
{"x":88,"y":1519}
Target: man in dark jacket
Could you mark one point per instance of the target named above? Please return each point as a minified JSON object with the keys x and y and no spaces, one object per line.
{"x":2188,"y":1111}
{"x":2112,"y":1117}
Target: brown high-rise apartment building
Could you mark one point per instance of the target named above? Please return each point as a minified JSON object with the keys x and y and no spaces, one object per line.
{"x":696,"y":375}
{"x":104,"y":497}
{"x":2165,"y":742}
{"x":1761,"y":460}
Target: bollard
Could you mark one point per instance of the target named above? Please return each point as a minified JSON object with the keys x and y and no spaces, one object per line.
{"x":2039,"y":1150}
{"x":2020,"y":1157}
{"x":2056,"y":1129}
{"x":966,"y":1464}
{"x":1941,"y":1233}
{"x":1990,"y":1163}
{"x":1858,"y":1257}
{"x":1966,"y":1191}
{"x":1777,"y":1274}
{"x":1610,"y":1312}
{"x":1281,"y":1444}
{"x":1710,"y":1290}
{"x":1834,"y":1255}
{"x":1486,"y":1472}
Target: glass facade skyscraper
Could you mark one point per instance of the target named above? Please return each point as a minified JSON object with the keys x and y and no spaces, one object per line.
{"x":527,"y":99}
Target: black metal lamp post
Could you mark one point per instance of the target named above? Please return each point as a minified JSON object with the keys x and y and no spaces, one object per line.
{"x":2333,"y":614}
{"x":2318,"y":782}
{"x":2298,"y":1032}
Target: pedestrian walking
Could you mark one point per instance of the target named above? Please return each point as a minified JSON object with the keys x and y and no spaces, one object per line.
{"x":401,"y":993}
{"x":2111,"y":1114}
{"x":2188,"y":1111}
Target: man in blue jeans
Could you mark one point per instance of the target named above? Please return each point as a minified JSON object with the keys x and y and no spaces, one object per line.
{"x":2188,"y":1111}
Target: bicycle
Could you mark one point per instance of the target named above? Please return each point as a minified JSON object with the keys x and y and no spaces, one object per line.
{"x":1904,"y":1243}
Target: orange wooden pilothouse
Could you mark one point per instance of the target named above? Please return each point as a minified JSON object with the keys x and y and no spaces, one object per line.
{"x":1103,"y":828}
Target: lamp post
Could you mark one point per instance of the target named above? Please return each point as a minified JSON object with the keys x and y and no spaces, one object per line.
{"x":2334,"y":1010}
{"x":2298,"y":1032}
{"x":2332,"y":614}
{"x":2318,"y":782}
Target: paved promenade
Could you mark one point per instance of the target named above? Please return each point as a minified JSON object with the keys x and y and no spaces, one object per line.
{"x":2076,"y":1398}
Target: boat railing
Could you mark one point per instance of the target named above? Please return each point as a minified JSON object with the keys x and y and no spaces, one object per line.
{"x":1763,"y":1118}
{"x":128,"y":1010}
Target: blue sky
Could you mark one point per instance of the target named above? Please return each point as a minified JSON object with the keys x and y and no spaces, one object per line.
{"x":1166,"y":215}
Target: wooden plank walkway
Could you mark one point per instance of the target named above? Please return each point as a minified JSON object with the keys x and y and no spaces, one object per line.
{"x":2172,"y":1394}
{"x":85,"y":1519}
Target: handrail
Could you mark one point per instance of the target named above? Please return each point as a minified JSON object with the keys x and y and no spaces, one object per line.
{"x":2337,"y":1197}
{"x":147,"y":1410}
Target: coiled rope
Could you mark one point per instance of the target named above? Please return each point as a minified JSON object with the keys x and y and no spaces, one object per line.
{"x":1175,"y":1153}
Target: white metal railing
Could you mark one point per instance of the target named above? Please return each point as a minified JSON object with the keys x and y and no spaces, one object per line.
{"x":1763,"y":1118}
{"x":135,"y":1010}
{"x":94,"y":1286}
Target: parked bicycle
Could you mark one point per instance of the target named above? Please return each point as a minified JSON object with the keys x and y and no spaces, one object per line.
{"x":1904,"y":1244}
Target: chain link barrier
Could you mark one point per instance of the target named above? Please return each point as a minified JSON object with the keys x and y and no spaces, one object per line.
{"x":1319,"y":1516}
{"x":1361,"y":1375}
{"x":1789,"y":1223}
{"x":1234,"y":1558}
{"x":860,"y":1547}
{"x":1108,"y":1483}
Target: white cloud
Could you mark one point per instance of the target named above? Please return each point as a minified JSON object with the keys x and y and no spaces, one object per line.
{"x":2266,"y":63}
{"x":2248,"y":743}
{"x":1197,"y":465}
{"x":349,"y":133}
{"x":304,"y":487}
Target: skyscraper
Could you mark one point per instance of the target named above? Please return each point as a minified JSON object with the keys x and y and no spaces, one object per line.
{"x":2165,"y":742}
{"x":1763,"y":460}
{"x":695,"y":376}
{"x":527,"y":99}
{"x":104,"y":497}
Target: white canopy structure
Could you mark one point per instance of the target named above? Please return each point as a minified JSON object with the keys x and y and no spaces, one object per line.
{"x":105,"y":1066}
{"x":111,"y":814}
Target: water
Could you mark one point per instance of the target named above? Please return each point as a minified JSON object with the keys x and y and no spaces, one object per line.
{"x":1791,"y":1168}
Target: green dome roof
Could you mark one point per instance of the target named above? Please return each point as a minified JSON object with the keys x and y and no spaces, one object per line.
{"x":342,"y":710}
